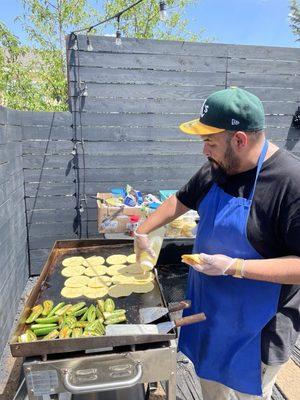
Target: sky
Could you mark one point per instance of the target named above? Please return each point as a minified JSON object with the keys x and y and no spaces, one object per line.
{"x":250,"y":22}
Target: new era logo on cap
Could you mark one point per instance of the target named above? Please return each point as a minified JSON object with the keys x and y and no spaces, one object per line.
{"x":235,"y":122}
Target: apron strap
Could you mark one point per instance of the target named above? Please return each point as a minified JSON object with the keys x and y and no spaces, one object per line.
{"x":259,"y":166}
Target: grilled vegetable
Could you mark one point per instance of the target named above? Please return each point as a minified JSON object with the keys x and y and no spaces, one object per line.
{"x":101,"y":305}
{"x":91,"y":313}
{"x":87,"y":333}
{"x":47,"y":307}
{"x":115,"y":320}
{"x":81,"y":324}
{"x":95,"y":327}
{"x":36,"y":311}
{"x":40,"y":326}
{"x":115,"y":313}
{"x":76,"y":307}
{"x":98,"y":313}
{"x":80,"y":312}
{"x":27,"y":337}
{"x":63,"y":310}
{"x":52,"y":335}
{"x":109,"y":305}
{"x":69,"y":321}
{"x":84,"y":317}
{"x":44,"y":331}
{"x":77,"y":332}
{"x":56,"y":308}
{"x":65,"y":332}
{"x":48,"y":320}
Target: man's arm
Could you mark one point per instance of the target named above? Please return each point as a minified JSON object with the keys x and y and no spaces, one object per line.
{"x":284,"y":270}
{"x":169,"y":210}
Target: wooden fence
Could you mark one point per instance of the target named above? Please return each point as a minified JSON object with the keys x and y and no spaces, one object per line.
{"x":126,"y":129}
{"x":13,"y":236}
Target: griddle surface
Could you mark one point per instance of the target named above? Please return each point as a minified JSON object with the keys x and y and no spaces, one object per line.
{"x":55,"y":282}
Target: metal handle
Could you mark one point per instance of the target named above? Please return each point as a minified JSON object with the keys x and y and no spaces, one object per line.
{"x":100,"y":387}
{"x":191,"y":319}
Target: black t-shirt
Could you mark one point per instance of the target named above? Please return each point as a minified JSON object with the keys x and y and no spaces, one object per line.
{"x":273,"y":229}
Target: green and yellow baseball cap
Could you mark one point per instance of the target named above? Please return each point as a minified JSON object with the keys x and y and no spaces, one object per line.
{"x":231,"y":109}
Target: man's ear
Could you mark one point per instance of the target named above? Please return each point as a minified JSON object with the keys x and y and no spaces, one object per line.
{"x":240,"y":140}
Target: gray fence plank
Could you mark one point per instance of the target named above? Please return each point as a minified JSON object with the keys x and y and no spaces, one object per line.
{"x":116,"y":134}
{"x":266,"y":66}
{"x":96,"y":178}
{"x":193,"y":92}
{"x":154,"y":120}
{"x":151,"y":77}
{"x":158,"y":106}
{"x":48,"y":147}
{"x":142,"y":91}
{"x":53,"y":202}
{"x":251,"y":80}
{"x":3,"y":134}
{"x":11,"y":183}
{"x":190,"y":145}
{"x":48,"y":175}
{"x":49,"y":119}
{"x":47,"y":133}
{"x":56,"y":215}
{"x":9,"y":168}
{"x":133,"y":45}
{"x":159,"y":62}
{"x":122,"y":160}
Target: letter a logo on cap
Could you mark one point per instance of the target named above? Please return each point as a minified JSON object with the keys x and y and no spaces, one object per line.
{"x":204,"y":110}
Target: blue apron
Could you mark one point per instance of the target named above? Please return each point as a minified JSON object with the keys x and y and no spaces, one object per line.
{"x":227,"y":346}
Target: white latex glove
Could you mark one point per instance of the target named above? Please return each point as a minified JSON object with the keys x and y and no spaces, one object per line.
{"x":216,"y":264}
{"x":142,"y":244}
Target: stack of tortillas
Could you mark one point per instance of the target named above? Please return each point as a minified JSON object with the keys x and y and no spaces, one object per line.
{"x":122,"y":273}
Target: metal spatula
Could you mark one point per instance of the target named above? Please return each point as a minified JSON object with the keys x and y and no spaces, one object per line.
{"x":150,"y":314}
{"x":152,"y":329}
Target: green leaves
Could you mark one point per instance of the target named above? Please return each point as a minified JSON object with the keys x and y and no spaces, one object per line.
{"x":143,"y":21}
{"x":34,"y":77}
{"x":294,"y":18}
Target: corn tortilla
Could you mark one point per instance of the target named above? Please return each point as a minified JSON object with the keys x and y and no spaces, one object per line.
{"x":116,"y":259}
{"x":96,"y":270}
{"x":94,"y":260}
{"x":120,"y":291}
{"x":77,"y":281}
{"x":72,"y":261}
{"x":94,"y":293}
{"x":96,"y":283}
{"x":116,"y":269}
{"x":131,"y":259}
{"x":73,"y":271}
{"x":71,"y":293}
{"x":142,"y":287}
{"x":132,"y":279}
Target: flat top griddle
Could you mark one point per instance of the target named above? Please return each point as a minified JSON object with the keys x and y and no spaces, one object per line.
{"x":50,"y":284}
{"x":55,"y":282}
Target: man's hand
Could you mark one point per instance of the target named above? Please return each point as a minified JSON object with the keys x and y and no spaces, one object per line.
{"x":216,"y":264}
{"x":142,"y":244}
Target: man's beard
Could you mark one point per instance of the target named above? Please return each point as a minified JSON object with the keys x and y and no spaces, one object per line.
{"x":230,"y":164}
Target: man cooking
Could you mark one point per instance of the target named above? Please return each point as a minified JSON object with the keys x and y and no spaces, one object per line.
{"x":248,"y":237}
